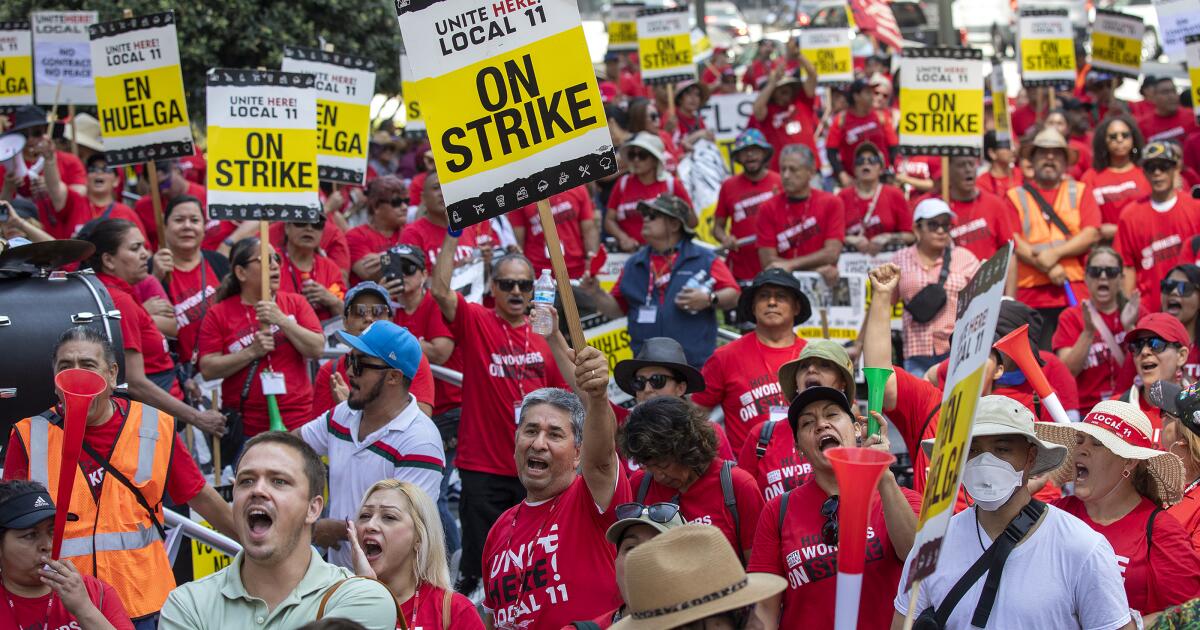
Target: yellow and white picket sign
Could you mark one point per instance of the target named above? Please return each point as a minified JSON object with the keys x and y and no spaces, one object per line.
{"x":414,"y":127}
{"x":16,"y":63}
{"x":1047,"y":46}
{"x":345,"y":85}
{"x":62,"y":57}
{"x":262,"y":146}
{"x":941,"y":101}
{"x":510,"y":100}
{"x":139,"y":89}
{"x":1193,"y":67}
{"x":622,"y":26}
{"x":829,"y":51}
{"x":978,"y":311}
{"x":1117,"y":43}
{"x":1001,"y":117}
{"x":665,"y":46}
{"x":702,"y":48}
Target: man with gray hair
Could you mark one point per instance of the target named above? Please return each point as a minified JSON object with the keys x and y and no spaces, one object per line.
{"x":541,"y":565}
{"x":801,"y":228}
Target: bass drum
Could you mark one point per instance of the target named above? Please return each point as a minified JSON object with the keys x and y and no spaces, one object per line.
{"x":34,"y":312}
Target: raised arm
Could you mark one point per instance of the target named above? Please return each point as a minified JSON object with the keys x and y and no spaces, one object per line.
{"x":877,"y":332}
{"x":599,"y":458}
{"x":443,"y":294}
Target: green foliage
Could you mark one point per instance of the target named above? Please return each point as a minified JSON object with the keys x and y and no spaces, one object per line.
{"x":252,"y":33}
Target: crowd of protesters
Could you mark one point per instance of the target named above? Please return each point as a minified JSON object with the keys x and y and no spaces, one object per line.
{"x":362,"y":482}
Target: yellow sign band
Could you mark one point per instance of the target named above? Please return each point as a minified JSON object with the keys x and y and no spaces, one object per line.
{"x":830,"y":60}
{"x":665,"y":53}
{"x":16,"y":76}
{"x":949,"y":450}
{"x":1048,"y":55}
{"x":342,"y":129}
{"x":262,"y":160}
{"x":141,"y":102}
{"x":1119,"y":51}
{"x":941,"y":112}
{"x":622,"y":32}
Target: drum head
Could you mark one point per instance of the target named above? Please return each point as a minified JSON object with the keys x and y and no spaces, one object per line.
{"x":10,"y":145}
{"x":52,"y":254}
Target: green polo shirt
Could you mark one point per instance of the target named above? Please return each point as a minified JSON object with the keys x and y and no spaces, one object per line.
{"x":220,"y":601}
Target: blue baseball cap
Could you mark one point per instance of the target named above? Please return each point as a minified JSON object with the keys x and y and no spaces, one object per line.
{"x":390,"y":342}
{"x":373,"y":287}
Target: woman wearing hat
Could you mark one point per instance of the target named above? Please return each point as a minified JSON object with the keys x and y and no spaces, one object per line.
{"x":1114,"y":177}
{"x":740,"y":198}
{"x":644,"y":156}
{"x":689,"y":125}
{"x":41,"y":592}
{"x":1159,"y":349}
{"x":1181,"y":299}
{"x":1181,"y":436}
{"x":1122,"y":482}
{"x":1060,"y":120}
{"x":877,"y":214}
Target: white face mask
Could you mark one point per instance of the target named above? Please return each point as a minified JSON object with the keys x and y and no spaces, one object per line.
{"x":990,"y":481}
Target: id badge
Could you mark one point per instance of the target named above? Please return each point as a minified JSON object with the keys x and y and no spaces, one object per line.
{"x":647,"y":314}
{"x":273,"y":383}
{"x":778,"y":412}
{"x":517,"y":413}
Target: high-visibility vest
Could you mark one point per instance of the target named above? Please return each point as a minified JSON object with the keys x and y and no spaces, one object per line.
{"x":1041,"y":232}
{"x":114,"y":538}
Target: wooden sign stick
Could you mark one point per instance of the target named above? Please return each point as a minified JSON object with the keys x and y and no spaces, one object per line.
{"x":156,"y":201}
{"x":569,"y":310}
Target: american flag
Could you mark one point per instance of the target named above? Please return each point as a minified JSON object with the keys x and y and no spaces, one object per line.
{"x":875,"y":18}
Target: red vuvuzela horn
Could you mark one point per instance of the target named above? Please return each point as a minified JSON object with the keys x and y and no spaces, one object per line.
{"x":858,"y":471}
{"x":1016,"y":345}
{"x":79,"y":388}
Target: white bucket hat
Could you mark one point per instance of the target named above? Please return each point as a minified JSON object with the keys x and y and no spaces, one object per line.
{"x":653,"y":145}
{"x":1001,"y":415}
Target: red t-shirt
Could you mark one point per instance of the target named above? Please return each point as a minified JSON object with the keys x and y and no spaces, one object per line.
{"x":1083,"y":163}
{"x":810,"y":566}
{"x":704,"y":502}
{"x":630,"y":84}
{"x":1167,"y":575}
{"x":77,"y":211}
{"x":138,"y":331}
{"x":34,"y":610}
{"x":324,"y":272}
{"x":421,"y":387}
{"x":428,"y":601}
{"x":427,"y":323}
{"x":1102,"y":377}
{"x":999,"y":186}
{"x":364,"y":240}
{"x":70,"y":171}
{"x":183,"y":483}
{"x":144,"y":208}
{"x":849,"y":130}
{"x":428,"y":237}
{"x":1187,"y":512}
{"x":926,"y":167}
{"x":781,"y":467}
{"x":629,"y":191}
{"x":982,"y":225}
{"x":501,"y":364}
{"x":547,"y":591}
{"x":1191,"y":153}
{"x":416,"y":187}
{"x":229,"y":327}
{"x":742,"y":377}
{"x":1051,"y":295}
{"x":1116,"y":191}
{"x":1022,"y":118}
{"x":891,"y":211}
{"x":915,"y":416}
{"x":800,"y":227}
{"x":570,"y":209}
{"x":333,"y":243}
{"x":1176,"y":128}
{"x":1151,"y":242}
{"x":193,"y":293}
{"x":739,"y":201}
{"x":794,"y":124}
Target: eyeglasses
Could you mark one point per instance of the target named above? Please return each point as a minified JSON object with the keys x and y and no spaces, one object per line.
{"x":1118,"y":135}
{"x":1158,"y":166}
{"x":650,"y":215}
{"x":319,"y":225}
{"x":398,"y":202}
{"x":378,"y":311}
{"x":99,"y":169}
{"x":863,"y":160}
{"x":937,"y":226}
{"x":1182,"y":288}
{"x":356,"y":366}
{"x":275,"y":258}
{"x":1157,"y":345}
{"x":409,"y":269}
{"x":653,"y":116}
{"x":829,"y":510}
{"x":639,"y":154}
{"x":1097,"y":272}
{"x":658,"y":512}
{"x":656,"y":381}
{"x":508,"y":284}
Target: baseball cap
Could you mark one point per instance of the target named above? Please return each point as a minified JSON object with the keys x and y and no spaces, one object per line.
{"x":407,"y":252}
{"x":1183,"y":403}
{"x":930,"y":208}
{"x":26,"y":510}
{"x":372,"y":287}
{"x":1159,"y":150}
{"x":816,"y":394}
{"x":1161,"y":325}
{"x":390,"y":342}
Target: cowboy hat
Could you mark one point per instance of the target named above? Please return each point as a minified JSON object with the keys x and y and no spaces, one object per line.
{"x":662,"y":352}
{"x":826,"y":349}
{"x":778,"y":278}
{"x":27,"y":116}
{"x":1050,"y":138}
{"x":87,"y":132}
{"x":686,"y":574}
{"x":1123,"y":429}
{"x":1001,"y":415}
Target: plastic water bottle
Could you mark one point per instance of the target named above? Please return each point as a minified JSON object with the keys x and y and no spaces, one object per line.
{"x":544,"y":292}
{"x":701,"y":282}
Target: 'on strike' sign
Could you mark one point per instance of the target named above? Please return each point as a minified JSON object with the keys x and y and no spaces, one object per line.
{"x":1047,"y":44}
{"x":510,"y":101}
{"x":941,"y":102}
{"x":665,"y":46}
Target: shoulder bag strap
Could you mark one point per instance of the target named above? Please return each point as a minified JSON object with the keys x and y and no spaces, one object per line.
{"x":764,"y":438}
{"x":783,"y":503}
{"x":111,"y":471}
{"x":1106,"y":335}
{"x":336,"y":585}
{"x":246,"y":386}
{"x":1047,"y":209}
{"x":945,"y":272}
{"x":644,"y":487}
{"x":731,"y":503}
{"x":329,"y":593}
{"x":871,"y":208}
{"x":1012,"y":536}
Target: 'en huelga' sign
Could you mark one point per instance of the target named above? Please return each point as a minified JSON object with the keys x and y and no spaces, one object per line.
{"x":1117,"y":43}
{"x":16,"y":64}
{"x":941,"y":102}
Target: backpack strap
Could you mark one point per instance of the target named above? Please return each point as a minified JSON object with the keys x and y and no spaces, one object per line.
{"x":644,"y":487}
{"x":764,"y":438}
{"x":731,"y":503}
{"x":783,"y":503}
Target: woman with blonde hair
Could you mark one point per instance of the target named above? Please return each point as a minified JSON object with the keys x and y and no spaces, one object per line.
{"x":397,"y":538}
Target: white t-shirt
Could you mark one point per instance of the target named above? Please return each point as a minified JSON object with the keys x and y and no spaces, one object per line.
{"x":1064,"y":575}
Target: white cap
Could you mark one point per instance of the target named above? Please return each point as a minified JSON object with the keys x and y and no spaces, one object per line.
{"x":931,"y":208}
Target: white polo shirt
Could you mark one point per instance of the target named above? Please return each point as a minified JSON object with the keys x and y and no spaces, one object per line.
{"x":408,"y":448}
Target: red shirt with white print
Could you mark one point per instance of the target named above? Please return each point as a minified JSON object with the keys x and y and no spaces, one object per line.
{"x":739,"y":201}
{"x":629,"y":191}
{"x":428,"y":237}
{"x":138,"y":331}
{"x":48,"y":611}
{"x":545,"y":564}
{"x":781,"y":467}
{"x":364,"y":240}
{"x":983,"y":225}
{"x":193,"y":293}
{"x":77,"y":211}
{"x":848,"y":130}
{"x":426,"y":323}
{"x":795,"y":123}
{"x":891,"y":212}
{"x":798,"y":553}
{"x":1177,"y":127}
{"x":1115,"y":191}
{"x":428,"y":601}
{"x":999,"y":186}
{"x":324,"y":272}
{"x":570,"y":209}
{"x":798,"y":227}
{"x":1102,"y":377}
{"x":1151,"y":241}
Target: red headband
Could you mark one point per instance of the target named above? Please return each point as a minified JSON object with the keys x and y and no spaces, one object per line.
{"x":1118,"y":427}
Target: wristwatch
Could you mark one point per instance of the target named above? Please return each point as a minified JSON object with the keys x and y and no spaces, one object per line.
{"x":712,"y":299}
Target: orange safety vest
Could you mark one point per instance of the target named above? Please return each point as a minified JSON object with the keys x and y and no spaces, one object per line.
{"x":1041,"y":232}
{"x":114,"y":539}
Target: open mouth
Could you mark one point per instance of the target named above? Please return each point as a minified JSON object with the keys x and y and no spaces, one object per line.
{"x":1173,"y":306}
{"x":259,"y":521}
{"x":1081,"y":472}
{"x":828,"y":441}
{"x":516,"y":301}
{"x":372,"y":549}
{"x":536,"y":464}
{"x":812,"y":381}
{"x":1148,"y":366}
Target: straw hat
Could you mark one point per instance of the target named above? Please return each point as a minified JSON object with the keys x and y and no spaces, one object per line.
{"x":1001,"y":415}
{"x":653,"y":145}
{"x":1123,"y":429}
{"x":88,"y":129}
{"x":687,"y":574}
{"x":1050,"y":138}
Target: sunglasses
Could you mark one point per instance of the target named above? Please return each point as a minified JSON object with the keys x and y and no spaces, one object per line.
{"x":275,"y":258}
{"x":658,"y":512}
{"x":398,"y":202}
{"x":378,"y":311}
{"x":507,"y":285}
{"x":1097,"y":273}
{"x":99,"y":169}
{"x":639,"y":154}
{"x":937,"y":226}
{"x":1182,"y":288}
{"x":1156,"y":344}
{"x":1119,"y":135}
{"x":867,"y":159}
{"x":409,"y":269}
{"x":650,"y":215}
{"x":653,"y":116}
{"x":656,"y":381}
{"x":829,"y":510}
{"x":355,"y":365}
{"x":1158,"y":166}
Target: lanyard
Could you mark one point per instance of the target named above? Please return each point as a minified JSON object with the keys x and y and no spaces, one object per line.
{"x":508,"y":334}
{"x":651,"y":289}
{"x":251,"y":316}
{"x":12,"y":608}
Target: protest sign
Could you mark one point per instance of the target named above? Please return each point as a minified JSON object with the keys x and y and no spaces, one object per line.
{"x":941,"y":102}
{"x":345,"y":85}
{"x":844,"y":306}
{"x":665,"y":46}
{"x":510,"y":101}
{"x":139,"y":89}
{"x":1117,"y":43}
{"x":622,"y":26}
{"x":262,"y":146}
{"x":1001,"y":118}
{"x":1047,"y":45}
{"x":829,"y":51}
{"x":1176,"y":20}
{"x":702,"y":48}
{"x":728,"y":115}
{"x":414,"y":127}
{"x":62,"y":57}
{"x":16,"y":64}
{"x":1193,"y":67}
{"x":861,"y":263}
{"x":970,"y":346}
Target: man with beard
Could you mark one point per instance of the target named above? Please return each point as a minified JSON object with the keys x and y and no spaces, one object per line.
{"x":378,"y":433}
{"x":277,"y":580}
